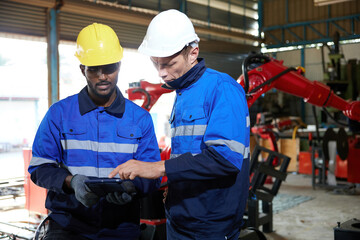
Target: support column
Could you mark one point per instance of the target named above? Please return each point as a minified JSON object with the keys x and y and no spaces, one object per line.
{"x":53,"y":56}
{"x":303,"y":114}
{"x":260,"y":17}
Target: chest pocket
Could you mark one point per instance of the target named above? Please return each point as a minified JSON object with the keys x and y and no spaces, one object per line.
{"x":193,"y":123}
{"x":129,"y":133}
{"x":128,"y":138}
{"x":73,"y":135}
{"x":194,"y":114}
{"x":73,"y":128}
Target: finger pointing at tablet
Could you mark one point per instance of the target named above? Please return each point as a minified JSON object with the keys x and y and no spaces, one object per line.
{"x":134,"y":168}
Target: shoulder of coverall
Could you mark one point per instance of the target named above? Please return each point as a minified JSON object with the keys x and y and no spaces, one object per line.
{"x":218,"y":78}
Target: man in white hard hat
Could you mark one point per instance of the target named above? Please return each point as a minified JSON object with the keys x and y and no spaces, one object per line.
{"x":208,"y":171}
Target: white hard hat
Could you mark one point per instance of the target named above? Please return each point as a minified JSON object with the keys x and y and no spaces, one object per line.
{"x":168,"y":33}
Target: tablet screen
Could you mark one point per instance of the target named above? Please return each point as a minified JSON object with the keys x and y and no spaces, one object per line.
{"x":103,"y":186}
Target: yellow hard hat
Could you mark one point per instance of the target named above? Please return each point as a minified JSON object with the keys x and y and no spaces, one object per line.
{"x":98,"y":44}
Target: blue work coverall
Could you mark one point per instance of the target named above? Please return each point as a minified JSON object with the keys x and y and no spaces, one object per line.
{"x":78,"y":137}
{"x":208,"y":171}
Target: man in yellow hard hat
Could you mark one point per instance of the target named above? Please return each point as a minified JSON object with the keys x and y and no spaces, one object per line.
{"x":84,"y":137}
{"x":208,"y":170}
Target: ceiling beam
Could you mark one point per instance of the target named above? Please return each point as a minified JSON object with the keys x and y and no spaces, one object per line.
{"x":225,"y":6}
{"x":130,"y":16}
{"x":319,"y":3}
{"x":226,"y":47}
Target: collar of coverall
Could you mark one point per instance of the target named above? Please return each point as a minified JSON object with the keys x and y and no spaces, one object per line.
{"x":117,"y":108}
{"x":188,"y":78}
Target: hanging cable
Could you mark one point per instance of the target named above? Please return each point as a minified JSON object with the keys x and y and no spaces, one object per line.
{"x":335,"y":120}
{"x":257,"y":59}
{"x":272,"y":79}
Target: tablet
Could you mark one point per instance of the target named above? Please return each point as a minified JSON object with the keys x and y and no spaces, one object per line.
{"x":103,"y":186}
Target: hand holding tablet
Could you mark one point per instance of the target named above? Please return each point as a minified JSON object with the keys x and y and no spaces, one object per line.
{"x":103,"y":186}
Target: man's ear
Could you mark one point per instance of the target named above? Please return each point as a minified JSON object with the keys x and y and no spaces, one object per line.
{"x":82,"y":68}
{"x":193,"y":55}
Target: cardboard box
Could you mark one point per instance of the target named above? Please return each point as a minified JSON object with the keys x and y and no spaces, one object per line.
{"x":291,"y":148}
{"x":288,"y":147}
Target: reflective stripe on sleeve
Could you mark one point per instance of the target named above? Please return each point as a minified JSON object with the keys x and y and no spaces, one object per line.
{"x":188,"y":130}
{"x":233,"y":145}
{"x":247,"y":121}
{"x":176,"y":155}
{"x":36,"y":161}
{"x":99,"y":147}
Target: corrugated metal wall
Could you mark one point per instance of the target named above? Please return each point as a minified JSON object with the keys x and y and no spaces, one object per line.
{"x":130,"y":35}
{"x":26,"y":19}
{"x":275,"y":14}
{"x":202,"y":12}
{"x":22,"y":19}
{"x":228,"y":63}
{"x":31,"y":20}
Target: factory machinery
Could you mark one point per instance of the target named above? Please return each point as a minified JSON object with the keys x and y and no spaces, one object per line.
{"x":260,"y":74}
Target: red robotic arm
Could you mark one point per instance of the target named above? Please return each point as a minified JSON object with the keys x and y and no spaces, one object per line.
{"x":146,"y":91}
{"x":270,"y":73}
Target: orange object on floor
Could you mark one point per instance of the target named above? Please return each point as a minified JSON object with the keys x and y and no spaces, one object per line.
{"x":34,"y":195}
{"x":353,"y":160}
{"x":305,"y":164}
{"x":341,"y":169}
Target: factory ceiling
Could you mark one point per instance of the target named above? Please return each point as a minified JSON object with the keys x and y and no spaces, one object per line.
{"x":223,"y":26}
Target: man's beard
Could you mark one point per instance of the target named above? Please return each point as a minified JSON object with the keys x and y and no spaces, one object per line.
{"x":102,"y":96}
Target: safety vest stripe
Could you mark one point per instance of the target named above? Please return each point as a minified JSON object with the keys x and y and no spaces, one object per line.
{"x":247,"y":152}
{"x":176,"y":155}
{"x":247,"y":121}
{"x":188,"y":130}
{"x":90,"y":171}
{"x":35,"y":161}
{"x":233,"y":145}
{"x":99,"y":147}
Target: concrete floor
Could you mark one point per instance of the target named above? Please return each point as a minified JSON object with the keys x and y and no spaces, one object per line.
{"x":314,"y":219}
{"x":311,"y":220}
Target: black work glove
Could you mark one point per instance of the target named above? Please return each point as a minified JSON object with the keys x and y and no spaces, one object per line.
{"x":82,"y":193}
{"x":124,"y":197}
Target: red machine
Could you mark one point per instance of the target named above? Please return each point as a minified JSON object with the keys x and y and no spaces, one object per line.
{"x":261,"y":74}
{"x":146,"y":91}
{"x":270,"y":73}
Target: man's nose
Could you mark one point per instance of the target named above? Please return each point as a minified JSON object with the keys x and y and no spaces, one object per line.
{"x":162,"y":72}
{"x":101,"y":74}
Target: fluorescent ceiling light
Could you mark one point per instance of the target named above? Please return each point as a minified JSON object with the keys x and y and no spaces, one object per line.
{"x":319,"y":3}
